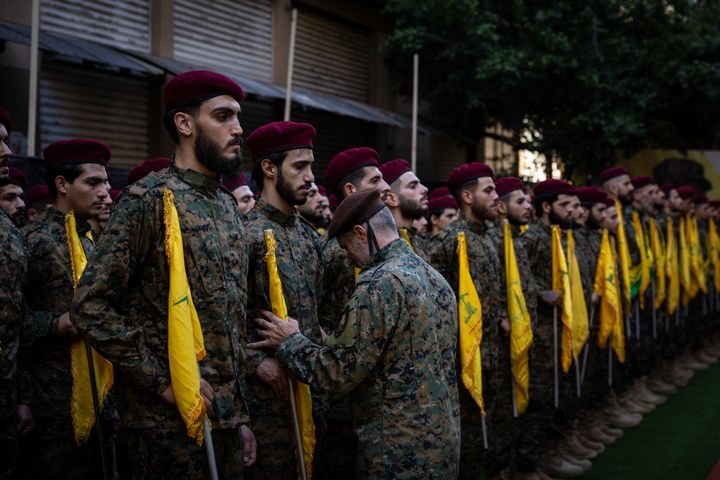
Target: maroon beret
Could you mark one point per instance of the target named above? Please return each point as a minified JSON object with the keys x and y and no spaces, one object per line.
{"x":686,"y":192}
{"x":115,"y":193}
{"x":6,"y":119}
{"x":439,"y":204}
{"x":346,"y":162}
{"x":148,"y":166}
{"x":589,"y":196}
{"x":332,"y":200}
{"x":714,"y":203}
{"x":506,"y":185}
{"x":612,"y":172}
{"x":393,"y":169}
{"x":278,"y":137}
{"x":322,"y":191}
{"x":467,"y":173}
{"x":553,"y":187}
{"x":233,"y":183}
{"x":700,"y":198}
{"x":667,"y":188}
{"x":439,"y":192}
{"x":17,"y":177}
{"x":642,"y":181}
{"x":76,"y":151}
{"x":199,"y":85}
{"x":610,"y":202}
{"x":355,"y":210}
{"x":38,"y":193}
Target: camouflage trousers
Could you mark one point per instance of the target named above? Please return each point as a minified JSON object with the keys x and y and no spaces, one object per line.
{"x":336,"y":451}
{"x":170,"y":454}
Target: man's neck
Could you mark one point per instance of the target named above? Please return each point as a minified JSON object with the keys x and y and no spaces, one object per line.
{"x":186,"y":159}
{"x":545,"y":219}
{"x":400,"y":220}
{"x":61,"y":205}
{"x":468,"y":213}
{"x":272,"y":197}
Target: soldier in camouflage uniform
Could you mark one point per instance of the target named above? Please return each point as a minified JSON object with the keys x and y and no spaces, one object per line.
{"x":514,"y":208}
{"x":121,"y":303}
{"x":348,"y":172}
{"x":407,"y":201}
{"x":474,"y":189}
{"x":12,"y":272}
{"x":395,"y":353}
{"x":283,"y":156}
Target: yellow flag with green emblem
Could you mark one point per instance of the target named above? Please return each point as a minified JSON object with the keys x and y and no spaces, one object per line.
{"x":714,"y":253}
{"x":697,"y":260}
{"x":521,"y":335}
{"x":405,"y":236}
{"x":606,"y":286}
{"x":82,"y":410}
{"x":185,"y":338}
{"x":686,"y":279}
{"x":624,"y":254}
{"x":672,"y":268}
{"x":644,"y":260}
{"x":470,"y":326}
{"x":300,"y":391}
{"x":580,"y":325}
{"x":659,"y":256}
{"x":561,"y":283}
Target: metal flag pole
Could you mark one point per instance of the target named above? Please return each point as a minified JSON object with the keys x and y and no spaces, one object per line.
{"x":610,"y":364}
{"x":637,"y":321}
{"x":484,"y":432}
{"x":555,"y":357}
{"x":577,"y":376}
{"x":654,"y":313}
{"x":33,"y":87}
{"x":413,"y":138}
{"x":628,"y":329}
{"x":96,"y":408}
{"x":296,"y":428}
{"x":587,"y":345}
{"x":677,"y":316}
{"x":291,"y":63}
{"x":209,"y":447}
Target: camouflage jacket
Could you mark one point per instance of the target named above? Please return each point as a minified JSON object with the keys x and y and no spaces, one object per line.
{"x":12,"y":272}
{"x":396,"y":353}
{"x":418,"y":242}
{"x":337,"y":283}
{"x":485,"y":271}
{"x":49,"y":294}
{"x":121,"y":303}
{"x":299,"y":269}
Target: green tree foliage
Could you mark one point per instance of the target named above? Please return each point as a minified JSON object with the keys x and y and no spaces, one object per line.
{"x":589,"y":76}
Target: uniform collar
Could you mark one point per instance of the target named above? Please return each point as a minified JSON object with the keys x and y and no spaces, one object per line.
{"x":195,"y":179}
{"x":476,"y":228}
{"x":392,"y":249}
{"x":55,"y":215}
{"x":274,"y":214}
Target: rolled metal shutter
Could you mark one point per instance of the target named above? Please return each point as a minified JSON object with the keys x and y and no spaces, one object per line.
{"x":227,"y":34}
{"x":124,"y":24}
{"x":332,"y":57}
{"x":82,"y":103}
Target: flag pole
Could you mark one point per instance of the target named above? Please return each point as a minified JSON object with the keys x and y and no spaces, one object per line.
{"x":484,"y":431}
{"x":587,"y":345}
{"x":555,"y":357}
{"x":610,"y":364}
{"x":32,"y":96}
{"x":413,"y":139}
{"x":291,"y":63}
{"x":654,"y":313}
{"x":637,"y":320}
{"x":209,"y":446}
{"x":96,"y":408}
{"x":296,"y":427}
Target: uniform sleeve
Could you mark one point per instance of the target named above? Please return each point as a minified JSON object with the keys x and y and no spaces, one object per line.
{"x":98,"y":310}
{"x":40,"y":322}
{"x":344,"y":362}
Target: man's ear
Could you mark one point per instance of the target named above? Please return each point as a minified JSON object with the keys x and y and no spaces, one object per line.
{"x":546,"y":207}
{"x":268,"y":168}
{"x":349,"y":189}
{"x":392,"y":199}
{"x":466,"y":196}
{"x":61,"y":184}
{"x":184,"y":124}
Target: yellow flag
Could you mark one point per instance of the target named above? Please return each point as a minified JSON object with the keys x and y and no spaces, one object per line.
{"x":672,"y":268}
{"x":521,"y":335}
{"x":624,"y":252}
{"x":659,"y":256}
{"x":644,"y":260}
{"x":686,"y":279}
{"x":714,"y":253}
{"x":82,"y":410}
{"x":185,"y":337}
{"x":523,"y":228}
{"x":561,"y":283}
{"x":470,"y":326}
{"x":606,"y":287}
{"x":697,"y":260}
{"x":301,"y":391}
{"x":580,"y":326}
{"x":405,"y":236}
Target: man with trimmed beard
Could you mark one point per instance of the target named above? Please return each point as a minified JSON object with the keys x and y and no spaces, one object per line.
{"x":11,"y":197}
{"x":77,"y":179}
{"x":13,"y":417}
{"x":407,"y":201}
{"x":311,"y":212}
{"x":121,"y":302}
{"x":282,"y":158}
{"x":473,"y":187}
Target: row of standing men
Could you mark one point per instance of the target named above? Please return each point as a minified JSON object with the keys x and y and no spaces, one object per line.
{"x":376,"y":332}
